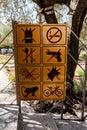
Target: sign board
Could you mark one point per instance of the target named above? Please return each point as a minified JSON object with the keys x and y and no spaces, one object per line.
{"x":54,"y":91}
{"x":29,"y":91}
{"x":54,"y":34}
{"x":54,"y":54}
{"x":41,"y":59}
{"x":28,"y":34}
{"x":28,"y":55}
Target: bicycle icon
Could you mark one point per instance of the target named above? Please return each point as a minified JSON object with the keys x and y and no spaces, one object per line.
{"x":51,"y":91}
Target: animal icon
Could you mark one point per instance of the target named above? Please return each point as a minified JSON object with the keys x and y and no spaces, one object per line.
{"x":27,"y":91}
{"x":53,"y":73}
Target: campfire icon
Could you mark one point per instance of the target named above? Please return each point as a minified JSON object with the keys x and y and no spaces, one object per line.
{"x":28,"y":35}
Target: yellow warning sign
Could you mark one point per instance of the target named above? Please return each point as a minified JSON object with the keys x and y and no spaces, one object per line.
{"x":29,"y":55}
{"x":54,"y":73}
{"x":55,"y":54}
{"x":41,"y":59}
{"x":29,"y":92}
{"x":54,"y":34}
{"x":28,"y":34}
{"x":54,"y":91}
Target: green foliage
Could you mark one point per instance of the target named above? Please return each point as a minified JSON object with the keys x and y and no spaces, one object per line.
{"x":18,"y":10}
{"x":83,"y":55}
{"x":80,"y":72}
{"x":12,"y":77}
{"x":4,"y":58}
{"x":78,"y":86}
{"x":11,"y":73}
{"x":8,"y":42}
{"x":7,"y":69}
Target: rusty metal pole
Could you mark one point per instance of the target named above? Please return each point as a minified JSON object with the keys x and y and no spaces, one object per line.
{"x":18,"y":101}
{"x":62,"y":104}
{"x":84,"y":88}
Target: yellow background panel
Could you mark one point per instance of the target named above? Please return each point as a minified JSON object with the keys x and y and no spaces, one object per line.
{"x":33,"y":55}
{"x":53,"y":91}
{"x":52,"y":32}
{"x":29,"y":92}
{"x":29,"y":74}
{"x":50,"y":76}
{"x":20,"y":34}
{"x":49,"y":58}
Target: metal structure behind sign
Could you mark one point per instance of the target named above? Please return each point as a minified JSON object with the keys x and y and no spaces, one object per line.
{"x":41,"y":59}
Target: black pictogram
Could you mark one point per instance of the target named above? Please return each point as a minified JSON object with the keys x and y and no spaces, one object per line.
{"x":28,"y":35}
{"x":54,"y":35}
{"x":52,"y":90}
{"x":26,"y":52}
{"x":56,"y":54}
{"x":28,"y":75}
{"x":53,"y":73}
{"x":27,"y":91}
{"x":29,"y":55}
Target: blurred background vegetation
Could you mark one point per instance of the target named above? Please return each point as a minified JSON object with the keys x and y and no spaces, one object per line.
{"x":26,"y":11}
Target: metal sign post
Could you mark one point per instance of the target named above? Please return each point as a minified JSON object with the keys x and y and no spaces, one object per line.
{"x":18,"y":100}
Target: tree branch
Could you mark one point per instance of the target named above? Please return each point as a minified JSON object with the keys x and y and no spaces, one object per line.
{"x":39,"y":2}
{"x":77,"y":22}
{"x":50,"y":15}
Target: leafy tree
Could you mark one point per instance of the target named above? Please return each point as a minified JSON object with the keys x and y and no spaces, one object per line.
{"x":77,"y":23}
{"x":7,"y":43}
{"x":26,"y":11}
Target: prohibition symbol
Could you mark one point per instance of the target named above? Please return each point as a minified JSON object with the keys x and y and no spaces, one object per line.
{"x":28,"y":55}
{"x":54,"y":35}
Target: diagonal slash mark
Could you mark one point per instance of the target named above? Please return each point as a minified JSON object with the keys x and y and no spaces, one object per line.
{"x":52,"y":55}
{"x":53,"y":35}
{"x":29,"y":74}
{"x":29,"y":55}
